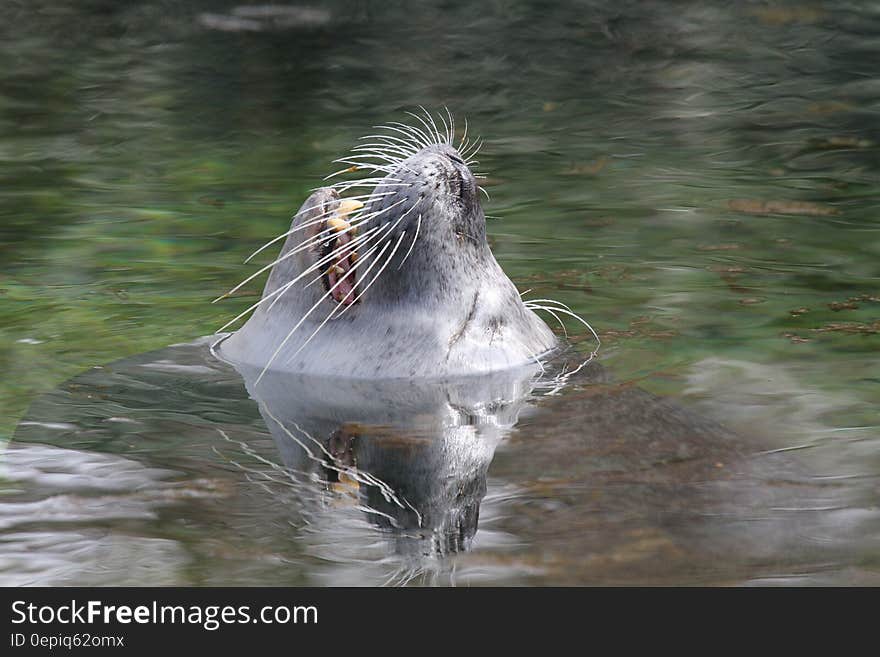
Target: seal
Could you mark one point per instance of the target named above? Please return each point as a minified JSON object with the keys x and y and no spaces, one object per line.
{"x":397,"y":282}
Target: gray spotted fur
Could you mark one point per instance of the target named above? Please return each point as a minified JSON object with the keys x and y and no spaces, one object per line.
{"x":447,"y":310}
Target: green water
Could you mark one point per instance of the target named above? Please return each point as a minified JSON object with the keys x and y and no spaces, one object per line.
{"x":700,"y":180}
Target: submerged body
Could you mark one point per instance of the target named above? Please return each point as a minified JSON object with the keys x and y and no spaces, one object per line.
{"x":403,"y":284}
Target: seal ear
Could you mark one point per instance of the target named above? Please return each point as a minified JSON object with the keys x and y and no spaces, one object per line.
{"x":306,"y":224}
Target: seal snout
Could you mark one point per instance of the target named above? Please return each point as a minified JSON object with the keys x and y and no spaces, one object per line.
{"x":443,"y":170}
{"x":467,"y":184}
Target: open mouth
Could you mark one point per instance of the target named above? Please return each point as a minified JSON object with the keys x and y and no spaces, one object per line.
{"x":340,"y":278}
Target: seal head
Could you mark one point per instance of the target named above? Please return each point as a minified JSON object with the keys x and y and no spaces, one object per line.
{"x":399,"y":282}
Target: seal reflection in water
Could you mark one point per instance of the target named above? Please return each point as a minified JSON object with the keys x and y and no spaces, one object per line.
{"x":411,"y":455}
{"x":396,"y":282}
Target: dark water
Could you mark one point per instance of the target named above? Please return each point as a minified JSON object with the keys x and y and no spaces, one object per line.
{"x":699,"y":180}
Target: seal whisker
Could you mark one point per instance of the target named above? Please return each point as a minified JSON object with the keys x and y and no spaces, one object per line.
{"x":412,"y":139}
{"x":378,"y":273}
{"x":451,"y":134}
{"x":356,"y":219}
{"x":373,"y":182}
{"x":312,"y":207}
{"x":432,"y":129}
{"x":372,"y":167}
{"x":331,"y":211}
{"x":530,"y":353}
{"x":385,"y":141}
{"x":403,"y":143}
{"x":341,"y":172}
{"x":417,"y":137}
{"x":376,"y":181}
{"x":324,"y":259}
{"x":388,"y":156}
{"x":535,"y":306}
{"x":312,"y":222}
{"x":372,"y":149}
{"x":558,"y":303}
{"x":488,"y":198}
{"x":388,"y":232}
{"x":343,"y":187}
{"x":365,"y":165}
{"x":334,"y":311}
{"x":280,"y":290}
{"x":387,"y":149}
{"x":309,"y":312}
{"x":366,"y":253}
{"x":404,"y":130}
{"x":360,"y":241}
{"x":350,"y":169}
{"x":564,"y":309}
{"x":288,"y":255}
{"x":423,"y":137}
{"x":433,"y":138}
{"x":473,"y":150}
{"x":444,"y":138}
{"x":391,"y":158}
{"x":378,"y":156}
{"x":336,"y":173}
{"x":415,"y":237}
{"x":321,"y":218}
{"x":562,"y":378}
{"x":331,"y":462}
{"x":399,"y":165}
{"x":440,"y":137}
{"x":430,"y":116}
{"x":361,"y":218}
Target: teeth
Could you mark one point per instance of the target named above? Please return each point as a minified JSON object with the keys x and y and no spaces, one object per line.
{"x":347,"y":206}
{"x":353,"y":256}
{"x":335,"y":269}
{"x":338,"y":224}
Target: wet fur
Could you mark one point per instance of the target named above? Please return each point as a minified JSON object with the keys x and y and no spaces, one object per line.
{"x":442,"y":305}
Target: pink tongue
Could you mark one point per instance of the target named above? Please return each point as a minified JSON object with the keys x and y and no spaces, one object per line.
{"x":343,"y":292}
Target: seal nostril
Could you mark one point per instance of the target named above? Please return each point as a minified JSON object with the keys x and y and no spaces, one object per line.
{"x":455,"y":158}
